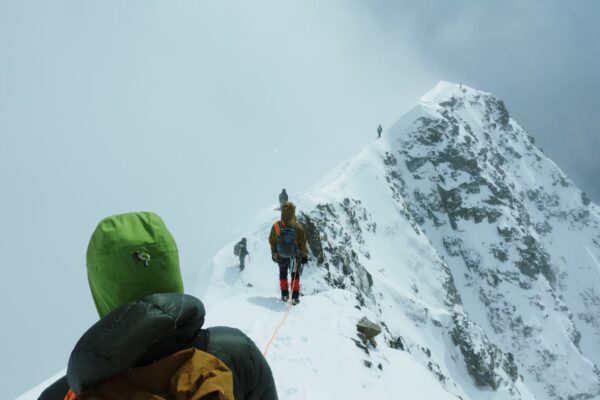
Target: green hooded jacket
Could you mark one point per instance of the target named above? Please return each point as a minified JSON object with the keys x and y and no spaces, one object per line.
{"x":133,"y":273}
{"x":131,"y":256}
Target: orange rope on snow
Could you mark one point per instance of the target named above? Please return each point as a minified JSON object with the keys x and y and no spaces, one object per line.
{"x":277,"y":329}
{"x":282,"y":320}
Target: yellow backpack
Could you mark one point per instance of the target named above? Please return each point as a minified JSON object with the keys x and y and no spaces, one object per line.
{"x":189,"y":374}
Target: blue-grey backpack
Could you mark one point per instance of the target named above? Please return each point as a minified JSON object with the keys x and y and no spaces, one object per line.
{"x":286,"y":241}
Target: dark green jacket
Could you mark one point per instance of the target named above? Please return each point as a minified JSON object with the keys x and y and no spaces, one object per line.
{"x":155,"y":327}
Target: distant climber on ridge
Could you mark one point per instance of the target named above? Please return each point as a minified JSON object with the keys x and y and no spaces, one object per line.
{"x":379,"y":130}
{"x":149,"y":341}
{"x":240,"y":249}
{"x":288,"y":249}
{"x":283,"y":198}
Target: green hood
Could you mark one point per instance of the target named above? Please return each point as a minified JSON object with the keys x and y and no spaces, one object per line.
{"x":131,"y":256}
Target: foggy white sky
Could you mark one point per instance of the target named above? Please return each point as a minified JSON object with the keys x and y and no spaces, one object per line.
{"x":202,"y":113}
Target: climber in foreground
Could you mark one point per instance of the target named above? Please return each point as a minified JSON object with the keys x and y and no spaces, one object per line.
{"x":288,"y":249}
{"x":240,"y":249}
{"x":149,"y":341}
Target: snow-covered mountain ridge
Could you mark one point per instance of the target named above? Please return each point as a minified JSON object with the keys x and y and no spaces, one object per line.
{"x":520,"y":239}
{"x":471,"y":249}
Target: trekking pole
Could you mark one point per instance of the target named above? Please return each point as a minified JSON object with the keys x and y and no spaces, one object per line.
{"x":294,"y":265}
{"x":244,"y":285}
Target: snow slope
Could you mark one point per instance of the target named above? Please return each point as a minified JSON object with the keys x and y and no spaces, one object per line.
{"x":519,"y":237}
{"x":313,"y":355}
{"x":471,"y":249}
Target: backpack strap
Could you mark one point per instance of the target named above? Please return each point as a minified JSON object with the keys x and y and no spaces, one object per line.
{"x":278,"y":225}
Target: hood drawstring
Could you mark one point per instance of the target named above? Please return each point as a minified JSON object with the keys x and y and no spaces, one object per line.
{"x":141,"y":256}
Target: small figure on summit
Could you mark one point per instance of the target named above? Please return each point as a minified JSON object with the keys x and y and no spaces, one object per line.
{"x":288,"y":249}
{"x":379,"y":130}
{"x":240,"y":249}
{"x":283,"y":198}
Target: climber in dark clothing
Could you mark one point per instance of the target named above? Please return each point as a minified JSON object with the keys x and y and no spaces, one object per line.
{"x":379,"y":130}
{"x":150,"y":338}
{"x":283,"y":198}
{"x":242,"y":251}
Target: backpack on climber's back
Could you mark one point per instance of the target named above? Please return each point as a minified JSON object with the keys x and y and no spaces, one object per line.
{"x":286,"y":241}
{"x":237,"y":249}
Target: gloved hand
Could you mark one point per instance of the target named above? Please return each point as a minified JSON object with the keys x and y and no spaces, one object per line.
{"x":275,"y":257}
{"x":304,"y":260}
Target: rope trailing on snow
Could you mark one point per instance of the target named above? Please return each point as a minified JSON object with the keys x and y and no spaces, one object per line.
{"x":277,"y":329}
{"x":287,"y":312}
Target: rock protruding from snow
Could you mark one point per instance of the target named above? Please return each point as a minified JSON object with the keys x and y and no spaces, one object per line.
{"x":367,"y":329}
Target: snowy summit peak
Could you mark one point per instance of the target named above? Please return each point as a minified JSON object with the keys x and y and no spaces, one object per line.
{"x":468,"y":111}
{"x":519,"y":239}
{"x":445,"y":91}
{"x":470,"y":249}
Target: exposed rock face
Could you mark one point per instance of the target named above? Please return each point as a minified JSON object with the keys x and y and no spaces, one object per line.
{"x":486,"y":364}
{"x":331,"y":229}
{"x":367,"y":328}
